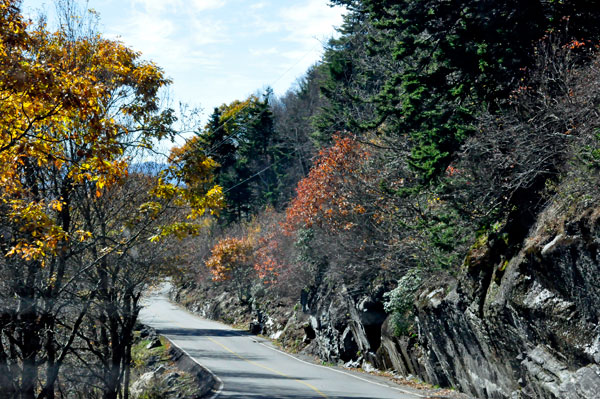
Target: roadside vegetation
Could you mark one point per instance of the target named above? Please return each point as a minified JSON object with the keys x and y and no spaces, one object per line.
{"x":155,"y":373}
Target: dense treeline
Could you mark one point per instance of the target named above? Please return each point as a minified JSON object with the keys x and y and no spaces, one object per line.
{"x":428,"y":129}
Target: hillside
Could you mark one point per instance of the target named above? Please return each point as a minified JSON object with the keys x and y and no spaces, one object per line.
{"x":424,"y":201}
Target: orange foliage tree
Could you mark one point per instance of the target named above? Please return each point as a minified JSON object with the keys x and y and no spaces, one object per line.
{"x":272,"y":249}
{"x":267,"y":263}
{"x":323,"y":198}
{"x":232,"y":260}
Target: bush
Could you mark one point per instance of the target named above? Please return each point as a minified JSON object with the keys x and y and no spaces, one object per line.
{"x":400,"y":301}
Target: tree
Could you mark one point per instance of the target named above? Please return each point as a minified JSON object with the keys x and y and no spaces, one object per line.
{"x":126,"y":218}
{"x":232,"y":260}
{"x":74,"y":109}
{"x":352,"y":75}
{"x":251,"y":159}
{"x":322,"y":198}
{"x":504,"y":173}
{"x":454,"y":60}
{"x":294,"y":119}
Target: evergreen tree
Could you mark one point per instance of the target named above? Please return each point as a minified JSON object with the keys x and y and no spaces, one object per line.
{"x":241,"y":138}
{"x":454,"y":60}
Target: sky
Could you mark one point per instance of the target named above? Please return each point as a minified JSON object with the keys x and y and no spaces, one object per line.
{"x":217,"y":51}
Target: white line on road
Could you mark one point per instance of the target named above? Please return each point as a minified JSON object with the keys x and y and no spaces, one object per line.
{"x":342,"y":372}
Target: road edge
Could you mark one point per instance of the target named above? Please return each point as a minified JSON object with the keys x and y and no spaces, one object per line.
{"x":211,"y":384}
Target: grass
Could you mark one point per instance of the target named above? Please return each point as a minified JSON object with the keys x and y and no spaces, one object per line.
{"x":184,"y":387}
{"x":140,"y":355}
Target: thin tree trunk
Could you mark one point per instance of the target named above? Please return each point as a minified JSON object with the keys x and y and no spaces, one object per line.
{"x":29,"y":340}
{"x":7,"y":388}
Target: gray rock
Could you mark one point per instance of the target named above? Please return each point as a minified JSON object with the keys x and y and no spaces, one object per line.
{"x":171,"y":378}
{"x":160,"y":370}
{"x":255,"y":327}
{"x":144,"y":382}
{"x":154,"y":343}
{"x":152,"y":360}
{"x":527,"y":331}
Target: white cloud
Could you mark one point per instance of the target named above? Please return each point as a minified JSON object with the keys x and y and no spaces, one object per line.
{"x":147,"y":32}
{"x":207,"y":31}
{"x":310,"y":22}
{"x":169,"y":36}
{"x":201,"y":5}
{"x":263,"y":51}
{"x":157,"y":5}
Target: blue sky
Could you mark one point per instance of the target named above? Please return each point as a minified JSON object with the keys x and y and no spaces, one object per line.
{"x":219,"y":50}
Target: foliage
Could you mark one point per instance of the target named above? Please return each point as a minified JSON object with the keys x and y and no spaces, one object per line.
{"x":322,"y":198}
{"x":271,"y":262}
{"x":230,"y":257}
{"x":250,"y":158}
{"x":77,"y":225}
{"x":232,"y":260}
{"x":454,"y":61}
{"x":352,"y":76}
{"x":60,"y":119}
{"x":294,"y":116}
{"x":399,"y":302}
{"x":438,"y":122}
{"x":503,"y":173}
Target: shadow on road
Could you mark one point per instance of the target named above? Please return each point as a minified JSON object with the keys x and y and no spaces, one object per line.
{"x":265,"y":389}
{"x":201,"y":332}
{"x":202,"y":354}
{"x":229,"y":394}
{"x":236,"y":374}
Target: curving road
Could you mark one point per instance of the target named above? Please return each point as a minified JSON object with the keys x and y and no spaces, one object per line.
{"x":250,"y":367}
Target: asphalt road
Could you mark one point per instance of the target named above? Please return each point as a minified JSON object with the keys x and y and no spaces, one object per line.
{"x":251,"y":367}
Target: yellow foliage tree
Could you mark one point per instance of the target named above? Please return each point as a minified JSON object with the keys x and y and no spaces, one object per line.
{"x":74,"y":109}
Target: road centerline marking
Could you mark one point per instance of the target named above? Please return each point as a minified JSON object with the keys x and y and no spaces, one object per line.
{"x":189,"y":313}
{"x":266,"y":367}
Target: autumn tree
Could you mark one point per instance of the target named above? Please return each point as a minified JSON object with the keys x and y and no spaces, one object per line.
{"x":73,"y":106}
{"x":321,"y":197}
{"x":340,"y":217}
{"x":231,"y":261}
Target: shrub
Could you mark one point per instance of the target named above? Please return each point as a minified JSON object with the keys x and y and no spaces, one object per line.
{"x":399,"y":302}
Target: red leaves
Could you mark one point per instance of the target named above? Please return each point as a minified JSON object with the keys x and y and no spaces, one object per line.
{"x":575,"y":44}
{"x":267,"y":264}
{"x":323,"y":198}
{"x":271,"y":256}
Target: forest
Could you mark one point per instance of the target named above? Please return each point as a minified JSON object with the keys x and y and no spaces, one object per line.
{"x":430,"y":132}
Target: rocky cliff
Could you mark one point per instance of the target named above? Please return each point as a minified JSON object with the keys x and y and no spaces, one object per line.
{"x":526,"y":327}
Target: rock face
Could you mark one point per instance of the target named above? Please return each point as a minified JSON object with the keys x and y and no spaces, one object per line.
{"x":524,"y":328}
{"x":345,"y":328}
